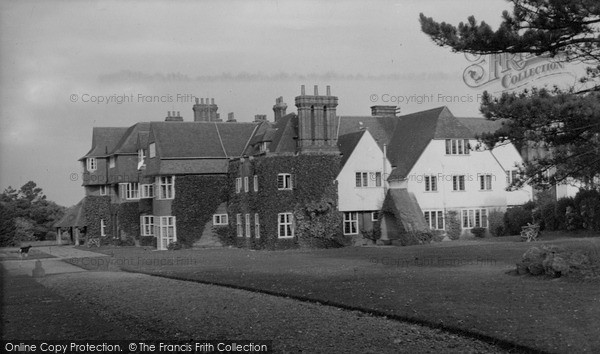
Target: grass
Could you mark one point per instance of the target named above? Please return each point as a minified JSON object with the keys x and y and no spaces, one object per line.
{"x":460,"y":285}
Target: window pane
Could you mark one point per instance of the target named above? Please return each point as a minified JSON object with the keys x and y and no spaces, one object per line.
{"x":434,"y":183}
{"x":378,"y":179}
{"x":447,"y":146}
{"x":358,"y":179}
{"x":440,"y":219}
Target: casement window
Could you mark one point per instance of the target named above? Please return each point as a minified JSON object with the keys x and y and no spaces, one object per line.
{"x":112,"y":161}
{"x":166,"y":187}
{"x":152,"y":150}
{"x":284,"y":181}
{"x":238,"y":222}
{"x":167,"y":229}
{"x":220,"y":219}
{"x":247,"y":224}
{"x":256,"y":226}
{"x":368,"y":179}
{"x":457,"y":147}
{"x":147,"y":225}
{"x":246,"y":185}
{"x":147,"y":191}
{"x":431,"y":183}
{"x":485,"y":182}
{"x":238,"y":184}
{"x":374,"y":216}
{"x":141,"y":157}
{"x":511,"y":176}
{"x":285,"y":225}
{"x":264,"y":147}
{"x":474,"y":218}
{"x":458,"y":183}
{"x":91,"y":164}
{"x":255,"y":183}
{"x":129,"y":190}
{"x":102,"y":227}
{"x":103,"y":190}
{"x":435,"y":219}
{"x":350,"y":223}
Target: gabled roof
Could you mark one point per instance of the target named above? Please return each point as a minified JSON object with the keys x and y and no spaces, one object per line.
{"x":284,"y":134}
{"x":73,"y":217}
{"x":201,"y":139}
{"x":481,"y":125}
{"x":129,"y":141}
{"x":381,"y":128}
{"x":414,"y":132}
{"x":347,"y":143}
{"x":104,"y":140}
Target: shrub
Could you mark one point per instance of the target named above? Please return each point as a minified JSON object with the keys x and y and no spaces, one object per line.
{"x":560,"y":212}
{"x":515,"y":218}
{"x":173,"y":246}
{"x":548,"y":218}
{"x":148,"y":241}
{"x":496,"y":223}
{"x":588,"y":204}
{"x":410,"y":238}
{"x":478,"y":232}
{"x":453,"y":224}
{"x":438,"y":235}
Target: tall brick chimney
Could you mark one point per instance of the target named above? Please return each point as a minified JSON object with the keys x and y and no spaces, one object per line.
{"x":279,"y":108}
{"x":384,"y":111}
{"x":205,"y":111}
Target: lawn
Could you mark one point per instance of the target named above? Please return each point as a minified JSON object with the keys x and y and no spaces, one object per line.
{"x":460,"y":285}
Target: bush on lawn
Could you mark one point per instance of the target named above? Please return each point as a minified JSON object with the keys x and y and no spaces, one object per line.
{"x":173,"y":246}
{"x":588,"y":204}
{"x":478,"y":232}
{"x":453,"y":224}
{"x":496,"y":223}
{"x":556,"y":262}
{"x":148,"y":241}
{"x":438,"y":235}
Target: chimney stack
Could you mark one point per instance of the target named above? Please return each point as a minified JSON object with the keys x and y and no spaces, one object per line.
{"x":231,"y":118}
{"x":384,"y":111}
{"x":258,"y":118}
{"x":205,"y":111}
{"x":279,"y":108}
{"x":173,"y":117}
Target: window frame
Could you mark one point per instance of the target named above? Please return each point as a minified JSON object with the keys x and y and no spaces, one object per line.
{"x":91,"y":164}
{"x":432,"y":217}
{"x":287,"y":223}
{"x":103,"y":190}
{"x":238,"y":222}
{"x":147,"y":191}
{"x":247,"y":226}
{"x":375,"y":216}
{"x":286,"y":181}
{"x":256,"y":226}
{"x":474,"y":217}
{"x":166,"y":187}
{"x":147,"y":225}
{"x":461,"y":183}
{"x":431,"y":184}
{"x":457,"y":147}
{"x":485,"y":182}
{"x":246,"y":184}
{"x":238,"y":185}
{"x":102,"y":228}
{"x":351,"y":222}
{"x":255,"y":182}
{"x":220,"y":219}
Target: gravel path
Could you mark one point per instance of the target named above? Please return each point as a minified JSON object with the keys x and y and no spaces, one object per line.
{"x":159,"y":308}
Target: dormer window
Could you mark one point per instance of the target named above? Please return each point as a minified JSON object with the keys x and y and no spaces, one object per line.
{"x":264,"y":147}
{"x":91,"y":164}
{"x":457,"y":147}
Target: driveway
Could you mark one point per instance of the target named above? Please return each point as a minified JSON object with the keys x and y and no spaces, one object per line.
{"x":54,"y":265}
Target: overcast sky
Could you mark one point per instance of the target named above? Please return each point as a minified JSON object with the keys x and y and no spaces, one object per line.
{"x":56,"y":57}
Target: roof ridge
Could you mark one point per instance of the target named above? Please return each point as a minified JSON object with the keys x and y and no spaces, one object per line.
{"x":220,"y":140}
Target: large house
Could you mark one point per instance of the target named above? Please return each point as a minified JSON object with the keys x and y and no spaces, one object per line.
{"x":310,"y":177}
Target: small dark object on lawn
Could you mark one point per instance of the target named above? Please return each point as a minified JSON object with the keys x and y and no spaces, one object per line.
{"x":24,"y":251}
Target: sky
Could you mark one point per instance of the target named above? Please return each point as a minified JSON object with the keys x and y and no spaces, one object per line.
{"x":67,"y":66}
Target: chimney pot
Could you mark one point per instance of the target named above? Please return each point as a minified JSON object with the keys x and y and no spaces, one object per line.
{"x":201,"y":100}
{"x":178,"y":115}
{"x":212,"y":101}
{"x":196,"y":100}
{"x":316,"y":90}
{"x":168,"y":113}
{"x":302,"y":90}
{"x":328,"y":90}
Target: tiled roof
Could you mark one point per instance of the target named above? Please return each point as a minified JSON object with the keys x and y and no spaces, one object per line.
{"x":347,"y":143}
{"x":73,"y":217}
{"x":284,"y":134}
{"x":414,"y":132}
{"x":381,"y":128}
{"x":129,"y":142}
{"x":201,"y":139}
{"x":481,"y":125}
{"x":104,"y":140}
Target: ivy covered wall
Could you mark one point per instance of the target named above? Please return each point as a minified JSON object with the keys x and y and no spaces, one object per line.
{"x":128,"y":216}
{"x":96,"y":208}
{"x":313,"y":201}
{"x":196,"y":199}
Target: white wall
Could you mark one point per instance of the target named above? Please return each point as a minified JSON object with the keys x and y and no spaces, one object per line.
{"x":367,"y":156}
{"x":509,"y":158}
{"x":434,"y":161}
